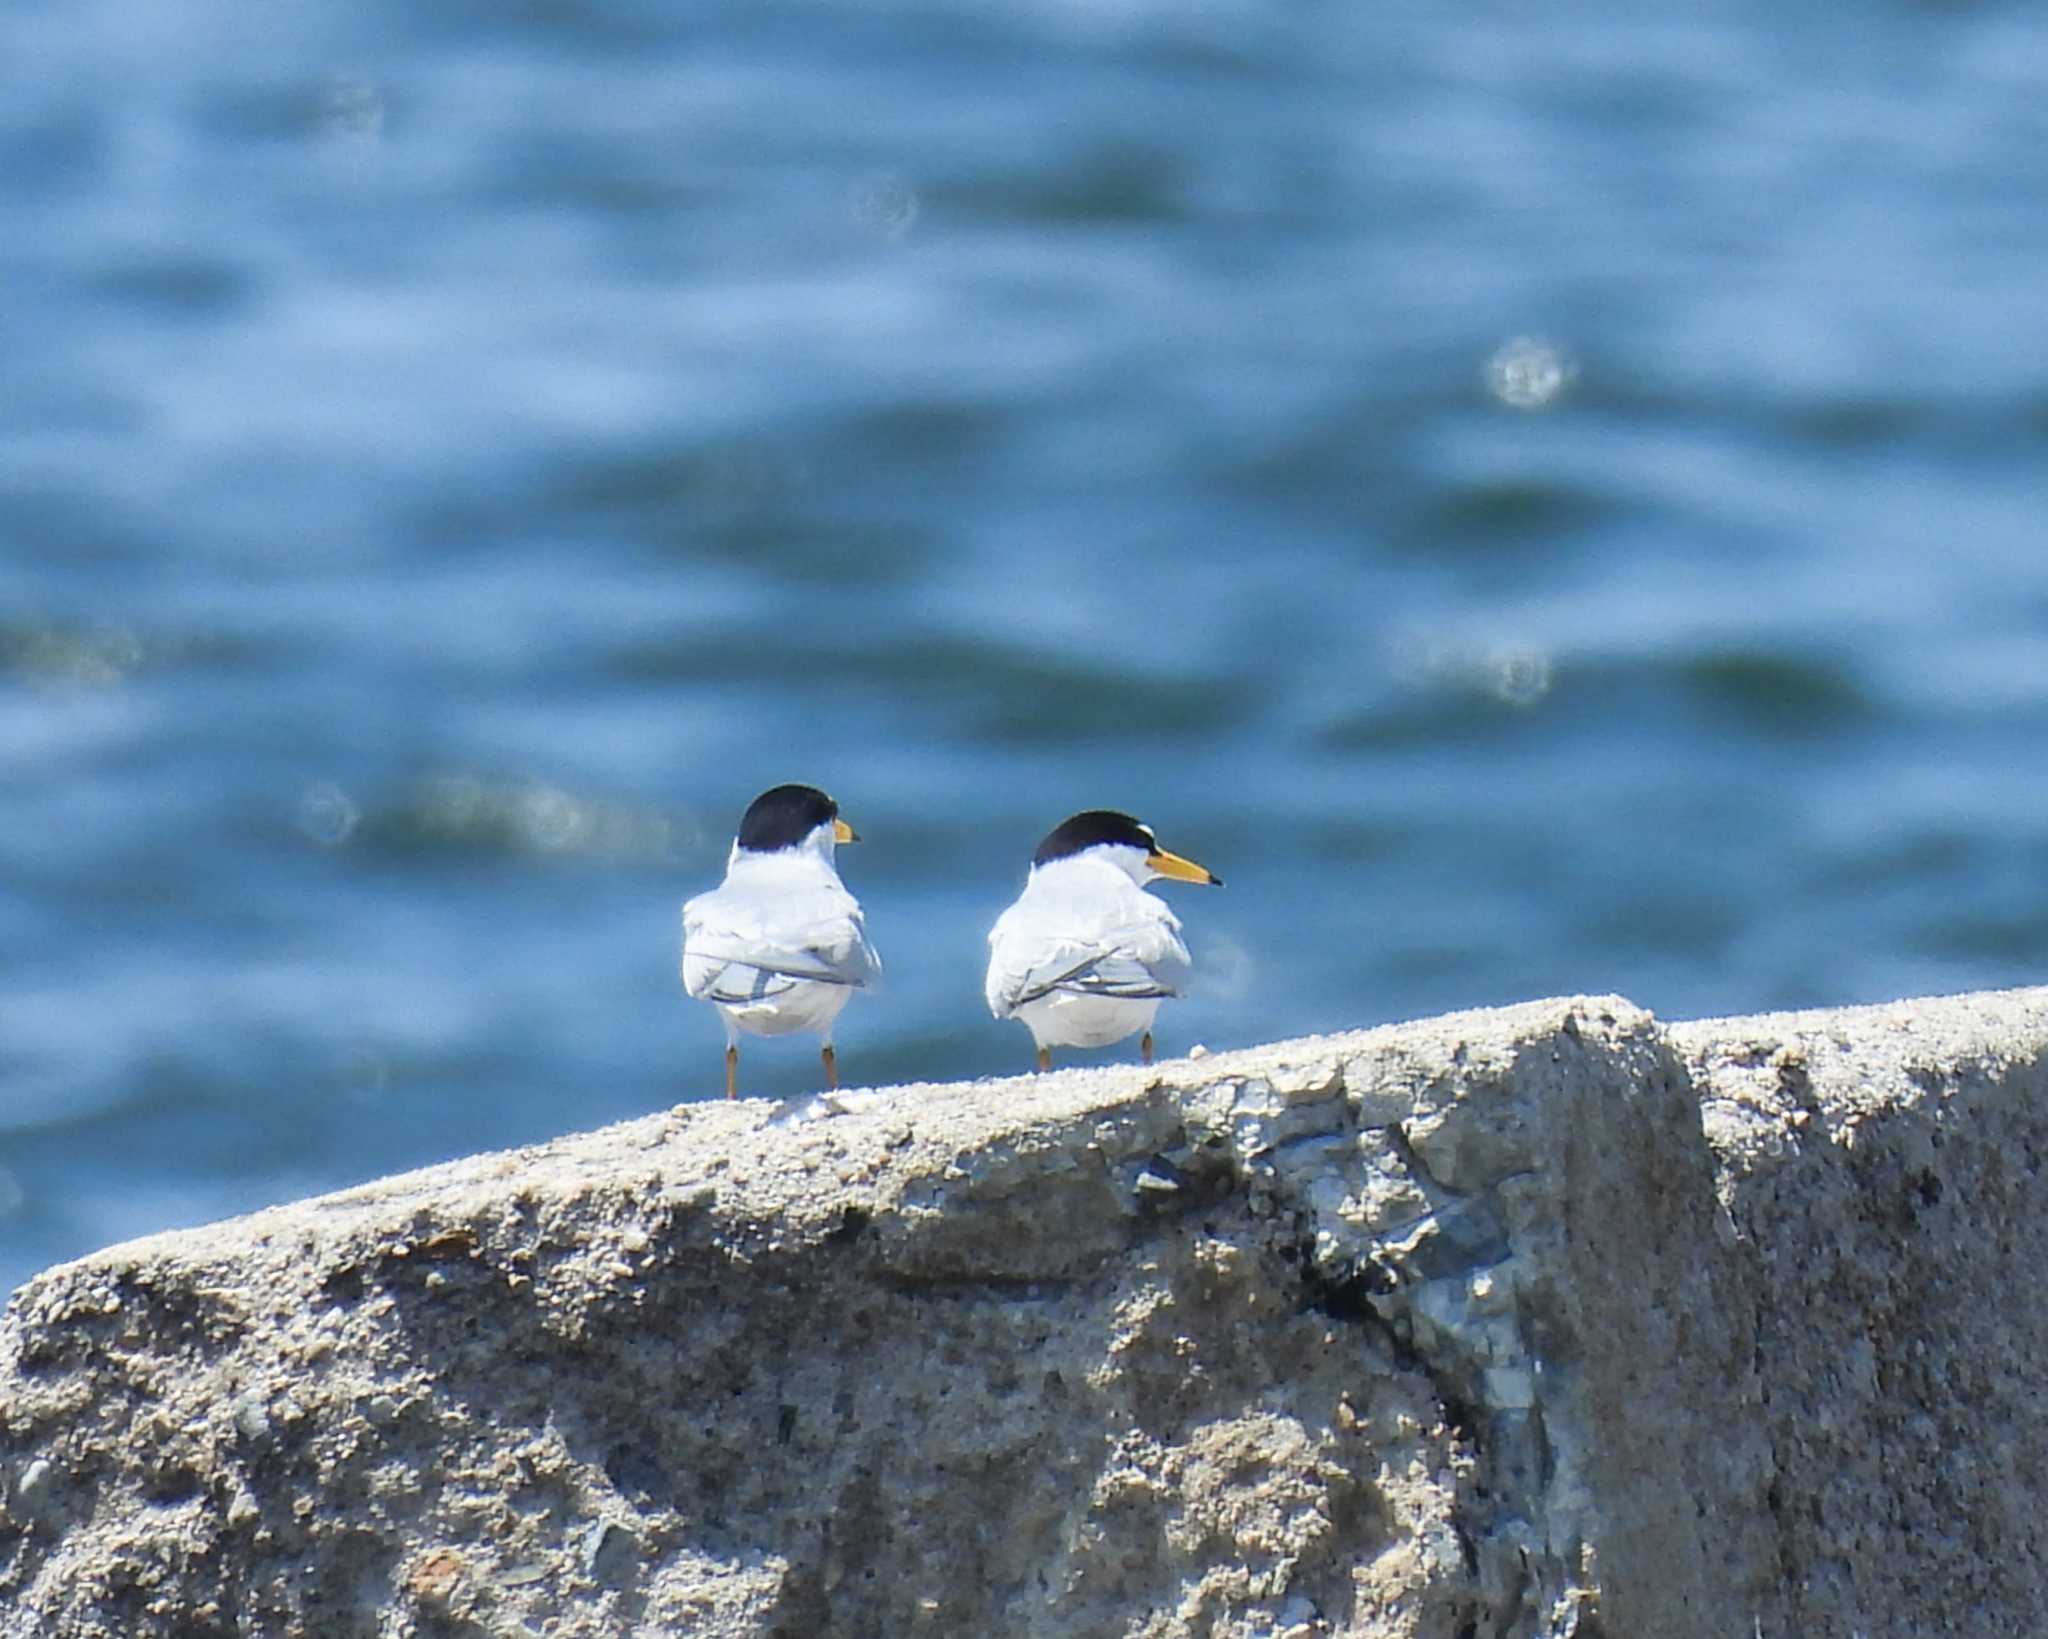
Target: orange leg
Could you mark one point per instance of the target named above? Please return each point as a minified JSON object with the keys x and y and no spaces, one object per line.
{"x":831,"y":1067}
{"x":732,"y":1072}
{"x":1044,"y":1059}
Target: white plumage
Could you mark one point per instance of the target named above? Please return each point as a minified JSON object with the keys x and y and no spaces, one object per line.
{"x":779,"y":946}
{"x":1085,"y":955}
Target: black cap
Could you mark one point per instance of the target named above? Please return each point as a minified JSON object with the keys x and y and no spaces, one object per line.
{"x":1091,"y":829}
{"x":783,"y":817}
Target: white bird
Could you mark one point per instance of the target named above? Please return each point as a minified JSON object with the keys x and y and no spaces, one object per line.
{"x":779,"y":946}
{"x":1085,"y":955}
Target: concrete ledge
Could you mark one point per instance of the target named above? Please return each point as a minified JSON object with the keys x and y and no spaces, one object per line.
{"x":1547,"y":1320}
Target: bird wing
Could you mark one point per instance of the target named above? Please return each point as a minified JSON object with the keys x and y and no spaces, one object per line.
{"x":743,"y":948}
{"x":1133,"y":954}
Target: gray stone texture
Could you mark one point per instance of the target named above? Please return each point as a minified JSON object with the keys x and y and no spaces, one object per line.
{"x":1547,"y":1320}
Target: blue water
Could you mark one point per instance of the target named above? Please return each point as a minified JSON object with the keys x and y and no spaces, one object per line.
{"x":1539,"y":498}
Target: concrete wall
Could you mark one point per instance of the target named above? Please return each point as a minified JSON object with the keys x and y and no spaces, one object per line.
{"x":1549,"y":1320}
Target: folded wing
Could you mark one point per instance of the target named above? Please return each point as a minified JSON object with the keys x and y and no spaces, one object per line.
{"x":1130,"y":960}
{"x":742,"y":952}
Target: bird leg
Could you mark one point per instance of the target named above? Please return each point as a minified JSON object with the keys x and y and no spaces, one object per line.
{"x":1145,"y":1046}
{"x":831,"y":1067}
{"x":1044,"y":1059}
{"x":732,"y":1071}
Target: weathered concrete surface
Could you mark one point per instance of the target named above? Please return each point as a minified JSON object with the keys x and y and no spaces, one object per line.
{"x":1882,"y":1167}
{"x":1464,"y":1327}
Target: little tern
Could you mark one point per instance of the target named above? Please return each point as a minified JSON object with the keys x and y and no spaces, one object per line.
{"x":780,"y":945}
{"x":1085,"y":956}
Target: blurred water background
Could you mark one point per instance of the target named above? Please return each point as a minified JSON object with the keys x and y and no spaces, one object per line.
{"x":1541,"y":499}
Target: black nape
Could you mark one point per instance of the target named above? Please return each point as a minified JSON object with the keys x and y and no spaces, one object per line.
{"x":783,"y":817}
{"x":1091,"y":829}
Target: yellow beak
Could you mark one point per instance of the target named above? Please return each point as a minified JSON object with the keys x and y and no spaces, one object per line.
{"x":842,"y":832}
{"x":1182,"y":870}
